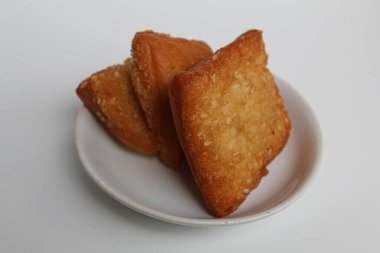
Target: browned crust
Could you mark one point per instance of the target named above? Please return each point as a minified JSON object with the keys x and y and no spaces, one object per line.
{"x":231,"y":121}
{"x":110,"y":97}
{"x":156,"y":59}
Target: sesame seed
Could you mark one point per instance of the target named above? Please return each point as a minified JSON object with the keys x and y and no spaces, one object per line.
{"x":207,"y":143}
{"x":237,"y":74}
{"x":83,"y":84}
{"x":213,"y":78}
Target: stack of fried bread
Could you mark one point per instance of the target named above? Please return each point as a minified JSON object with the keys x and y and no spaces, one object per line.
{"x":223,"y":112}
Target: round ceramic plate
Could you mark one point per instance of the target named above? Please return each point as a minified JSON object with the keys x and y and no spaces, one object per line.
{"x":144,"y":184}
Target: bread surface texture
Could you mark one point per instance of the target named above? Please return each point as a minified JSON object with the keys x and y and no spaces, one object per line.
{"x":111,"y":98}
{"x":231,"y":121}
{"x":156,"y":59}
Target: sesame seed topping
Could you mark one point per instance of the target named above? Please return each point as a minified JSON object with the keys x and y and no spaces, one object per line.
{"x":207,"y":143}
{"x":83,"y":84}
{"x":213,"y":78}
{"x":237,"y":75}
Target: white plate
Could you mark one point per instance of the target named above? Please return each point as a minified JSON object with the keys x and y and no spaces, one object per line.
{"x":142,"y":183}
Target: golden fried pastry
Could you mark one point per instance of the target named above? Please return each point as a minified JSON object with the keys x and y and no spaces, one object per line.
{"x":231,"y":121}
{"x":156,"y":58}
{"x":111,"y":98}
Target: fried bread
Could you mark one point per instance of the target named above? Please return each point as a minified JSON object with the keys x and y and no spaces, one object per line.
{"x":231,"y":121}
{"x":111,"y":98}
{"x":156,"y":58}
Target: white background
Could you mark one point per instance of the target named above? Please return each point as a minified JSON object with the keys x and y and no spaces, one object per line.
{"x":328,"y":50}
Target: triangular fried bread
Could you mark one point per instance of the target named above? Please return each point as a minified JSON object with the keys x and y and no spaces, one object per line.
{"x":231,"y":121}
{"x":156,"y":58}
{"x":111,"y":98}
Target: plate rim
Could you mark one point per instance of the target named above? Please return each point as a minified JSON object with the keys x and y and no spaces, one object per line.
{"x":209,"y":222}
